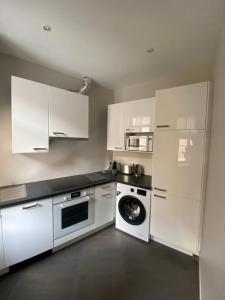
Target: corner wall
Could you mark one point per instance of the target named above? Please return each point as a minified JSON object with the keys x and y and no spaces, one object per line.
{"x":212,"y":256}
{"x":65,"y":157}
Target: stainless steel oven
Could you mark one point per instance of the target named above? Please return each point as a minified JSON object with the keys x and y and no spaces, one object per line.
{"x":73,"y":211}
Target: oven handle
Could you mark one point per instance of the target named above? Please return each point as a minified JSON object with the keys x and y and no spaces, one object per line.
{"x":76,"y":201}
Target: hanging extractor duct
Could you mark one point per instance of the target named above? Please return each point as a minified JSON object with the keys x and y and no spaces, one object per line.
{"x":86,"y":85}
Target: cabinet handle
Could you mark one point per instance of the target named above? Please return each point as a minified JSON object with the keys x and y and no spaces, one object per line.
{"x":106,"y":187}
{"x":39,"y":148}
{"x":158,"y":196}
{"x":105,"y":195}
{"x":59,"y":133}
{"x":163,"y":126}
{"x":158,"y":189}
{"x":32,"y":206}
{"x":119,"y":148}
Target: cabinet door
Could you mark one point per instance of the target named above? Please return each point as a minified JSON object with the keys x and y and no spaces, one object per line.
{"x":115,"y":129}
{"x":176,"y":220}
{"x":178,"y":162}
{"x":140,"y":115}
{"x":2,"y":258}
{"x":105,"y":200}
{"x":27,"y":230}
{"x":182,"y":107}
{"x":29,"y":116}
{"x":68,"y":114}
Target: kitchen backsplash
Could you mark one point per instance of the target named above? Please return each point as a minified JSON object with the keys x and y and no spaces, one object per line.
{"x":144,"y":159}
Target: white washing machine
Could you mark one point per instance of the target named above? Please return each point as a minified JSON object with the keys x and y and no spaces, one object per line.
{"x":133,"y":206}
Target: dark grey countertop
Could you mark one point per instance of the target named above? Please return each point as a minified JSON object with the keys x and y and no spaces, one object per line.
{"x":47,"y":188}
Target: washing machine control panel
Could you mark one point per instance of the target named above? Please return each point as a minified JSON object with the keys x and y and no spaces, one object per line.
{"x":141,"y":192}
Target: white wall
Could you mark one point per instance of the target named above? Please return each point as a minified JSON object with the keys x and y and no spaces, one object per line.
{"x":66,"y":157}
{"x":145,"y":90}
{"x":212,"y":256}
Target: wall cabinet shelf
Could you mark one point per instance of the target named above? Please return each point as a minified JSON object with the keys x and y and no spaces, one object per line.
{"x":40,"y":111}
{"x":68,"y":114}
{"x":29,"y":116}
{"x":182,"y":107}
{"x":129,"y":117}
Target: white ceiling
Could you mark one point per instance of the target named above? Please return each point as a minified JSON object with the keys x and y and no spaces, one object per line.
{"x":107,"y":39}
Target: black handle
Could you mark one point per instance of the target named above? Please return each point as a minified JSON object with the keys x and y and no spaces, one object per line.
{"x":158,"y":189}
{"x":158,"y":196}
{"x":58,"y":132}
{"x":40,"y":148}
{"x":163,"y":126}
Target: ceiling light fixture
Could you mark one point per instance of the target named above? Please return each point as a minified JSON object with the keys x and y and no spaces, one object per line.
{"x":47,"y":28}
{"x":150,"y":50}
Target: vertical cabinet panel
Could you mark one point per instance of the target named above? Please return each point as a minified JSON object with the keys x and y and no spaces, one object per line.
{"x":115,"y":129}
{"x":29,"y":116}
{"x":68,"y":114}
{"x":178,"y":162}
{"x":140,"y":115}
{"x":176,"y":220}
{"x":105,"y":201}
{"x":2,"y":258}
{"x":27,"y":230}
{"x":182,"y":107}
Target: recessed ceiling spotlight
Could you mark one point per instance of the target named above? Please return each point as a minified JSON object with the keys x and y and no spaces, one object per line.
{"x":46,"y":28}
{"x":150,"y":50}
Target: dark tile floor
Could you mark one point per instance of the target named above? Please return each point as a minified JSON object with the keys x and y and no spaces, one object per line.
{"x":109,"y":265}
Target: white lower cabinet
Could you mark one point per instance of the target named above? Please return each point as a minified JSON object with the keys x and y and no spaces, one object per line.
{"x":27,"y":230}
{"x":176,"y":221}
{"x":105,"y":201}
{"x":2,"y":258}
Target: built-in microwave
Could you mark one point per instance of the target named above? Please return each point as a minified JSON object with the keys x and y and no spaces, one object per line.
{"x":139,"y":143}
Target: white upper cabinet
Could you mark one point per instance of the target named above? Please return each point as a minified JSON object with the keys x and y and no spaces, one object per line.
{"x":116,"y":129}
{"x":2,"y":258}
{"x":68,"y":114}
{"x":178,"y":162}
{"x":29,"y":116}
{"x":128,"y":117}
{"x":140,"y":115}
{"x":182,"y":107}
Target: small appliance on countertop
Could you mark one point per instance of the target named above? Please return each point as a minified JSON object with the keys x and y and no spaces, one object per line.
{"x":127,"y":169}
{"x":132,"y":169}
{"x":138,"y":170}
{"x":114,"y":168}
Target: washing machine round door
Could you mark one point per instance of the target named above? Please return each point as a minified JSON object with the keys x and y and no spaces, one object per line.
{"x":132,"y":210}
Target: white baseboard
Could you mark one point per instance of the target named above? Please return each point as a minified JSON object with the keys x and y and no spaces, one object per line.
{"x":185,"y":251}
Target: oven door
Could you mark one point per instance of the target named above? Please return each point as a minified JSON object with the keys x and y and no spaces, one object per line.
{"x":73,"y":215}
